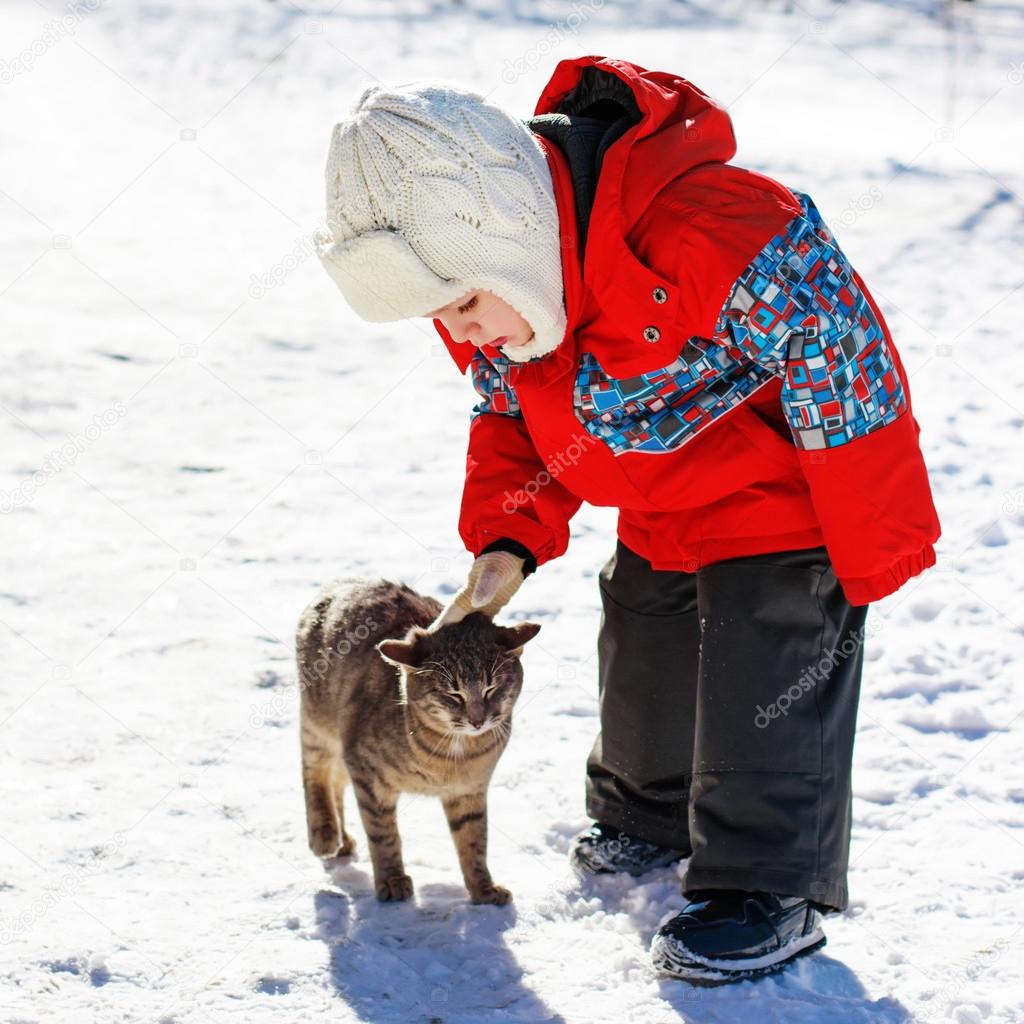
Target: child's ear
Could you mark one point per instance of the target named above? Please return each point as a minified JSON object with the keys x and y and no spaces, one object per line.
{"x":409,"y":652}
{"x":513,"y":638}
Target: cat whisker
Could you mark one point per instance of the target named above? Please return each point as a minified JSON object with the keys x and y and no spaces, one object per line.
{"x":450,"y":761}
{"x":436,"y":750}
{"x":448,"y":755}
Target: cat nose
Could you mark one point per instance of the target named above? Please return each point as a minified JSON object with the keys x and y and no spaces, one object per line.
{"x":477,"y":720}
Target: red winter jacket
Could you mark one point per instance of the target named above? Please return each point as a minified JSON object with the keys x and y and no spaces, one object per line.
{"x":726,"y":379}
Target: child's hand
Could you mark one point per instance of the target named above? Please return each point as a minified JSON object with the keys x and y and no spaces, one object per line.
{"x":493,"y":579}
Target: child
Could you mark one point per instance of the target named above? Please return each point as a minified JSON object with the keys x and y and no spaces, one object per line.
{"x":652,"y":328}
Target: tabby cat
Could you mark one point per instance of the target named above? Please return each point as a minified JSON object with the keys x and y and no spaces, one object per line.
{"x":395,"y":707}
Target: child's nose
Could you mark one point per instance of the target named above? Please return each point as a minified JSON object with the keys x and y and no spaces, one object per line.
{"x":472,"y":333}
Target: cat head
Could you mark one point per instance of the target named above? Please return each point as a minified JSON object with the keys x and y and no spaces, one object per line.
{"x":465,"y":676}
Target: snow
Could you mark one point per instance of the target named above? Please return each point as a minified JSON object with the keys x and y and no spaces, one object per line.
{"x":198,"y":433}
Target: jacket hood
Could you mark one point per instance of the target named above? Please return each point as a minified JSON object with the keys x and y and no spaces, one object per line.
{"x":606,"y":88}
{"x":663,"y":126}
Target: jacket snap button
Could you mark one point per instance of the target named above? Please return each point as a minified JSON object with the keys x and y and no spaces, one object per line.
{"x":651,"y":334}
{"x":660,"y":295}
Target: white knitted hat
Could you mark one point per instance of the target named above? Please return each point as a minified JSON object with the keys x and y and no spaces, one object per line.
{"x":433,"y":192}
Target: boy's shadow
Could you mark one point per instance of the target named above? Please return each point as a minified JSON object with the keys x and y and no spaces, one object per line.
{"x":810,"y":989}
{"x":434,"y":958}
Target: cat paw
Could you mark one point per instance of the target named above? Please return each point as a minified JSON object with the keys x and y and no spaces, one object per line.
{"x":324,"y":842}
{"x":495,"y":894}
{"x":398,"y":887}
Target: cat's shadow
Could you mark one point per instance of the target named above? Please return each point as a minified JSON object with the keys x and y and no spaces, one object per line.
{"x":434,"y":958}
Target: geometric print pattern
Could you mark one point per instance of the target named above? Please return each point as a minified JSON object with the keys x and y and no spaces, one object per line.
{"x":658,"y":411}
{"x":496,"y":395}
{"x":797,"y":311}
{"x":794,"y":313}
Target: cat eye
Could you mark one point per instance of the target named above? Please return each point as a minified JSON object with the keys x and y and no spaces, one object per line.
{"x":450,"y":697}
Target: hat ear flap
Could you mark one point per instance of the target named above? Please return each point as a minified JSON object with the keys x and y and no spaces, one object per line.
{"x":382,"y":278}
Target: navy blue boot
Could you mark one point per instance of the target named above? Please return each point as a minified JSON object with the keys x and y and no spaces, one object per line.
{"x":603,"y":850}
{"x":726,"y":935}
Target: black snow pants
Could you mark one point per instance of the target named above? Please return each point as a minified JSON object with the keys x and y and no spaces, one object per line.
{"x":728,"y":710}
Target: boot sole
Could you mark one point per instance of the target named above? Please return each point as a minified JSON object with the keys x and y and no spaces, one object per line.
{"x":702,"y":970}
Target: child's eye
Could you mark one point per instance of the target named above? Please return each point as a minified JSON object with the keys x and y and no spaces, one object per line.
{"x":468,"y":306}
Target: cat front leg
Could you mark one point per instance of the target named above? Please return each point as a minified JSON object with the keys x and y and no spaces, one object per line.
{"x":467,"y":819}
{"x":323,"y":780}
{"x":377,"y":808}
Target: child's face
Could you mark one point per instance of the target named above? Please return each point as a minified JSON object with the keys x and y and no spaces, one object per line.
{"x":481,"y":318}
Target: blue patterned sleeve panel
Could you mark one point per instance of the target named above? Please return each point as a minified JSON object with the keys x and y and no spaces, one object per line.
{"x":495,"y":394}
{"x":798,"y":312}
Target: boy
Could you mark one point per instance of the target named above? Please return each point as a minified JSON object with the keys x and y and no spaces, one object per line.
{"x":691,"y":332}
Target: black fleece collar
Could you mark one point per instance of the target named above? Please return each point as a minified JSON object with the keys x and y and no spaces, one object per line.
{"x":597,"y":112}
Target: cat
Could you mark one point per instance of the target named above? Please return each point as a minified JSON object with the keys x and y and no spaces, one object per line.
{"x":393,"y":707}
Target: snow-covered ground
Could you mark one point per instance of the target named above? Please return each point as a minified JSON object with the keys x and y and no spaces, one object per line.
{"x":196,"y":433}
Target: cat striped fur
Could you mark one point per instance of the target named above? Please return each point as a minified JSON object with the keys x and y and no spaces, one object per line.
{"x":393,"y":707}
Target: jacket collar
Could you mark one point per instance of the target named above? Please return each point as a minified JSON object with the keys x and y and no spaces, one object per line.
{"x":679,"y":127}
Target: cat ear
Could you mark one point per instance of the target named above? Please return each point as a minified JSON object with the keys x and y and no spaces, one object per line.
{"x":409,"y":652}
{"x":513,"y":638}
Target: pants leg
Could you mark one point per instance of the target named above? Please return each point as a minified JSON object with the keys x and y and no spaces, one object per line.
{"x":778,"y":687}
{"x":728,"y":711}
{"x":639,"y":770}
